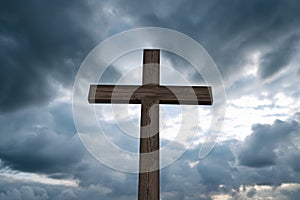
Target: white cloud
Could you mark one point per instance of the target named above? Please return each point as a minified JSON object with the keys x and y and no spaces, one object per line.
{"x":261,"y":192}
{"x":37,"y":178}
{"x":220,"y":197}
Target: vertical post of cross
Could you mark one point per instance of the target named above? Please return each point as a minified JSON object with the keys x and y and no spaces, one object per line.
{"x":149,"y":187}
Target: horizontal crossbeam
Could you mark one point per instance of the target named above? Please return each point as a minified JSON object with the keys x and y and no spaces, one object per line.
{"x":188,"y":95}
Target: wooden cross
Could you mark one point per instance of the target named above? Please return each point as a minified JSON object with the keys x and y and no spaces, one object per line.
{"x":150,"y":95}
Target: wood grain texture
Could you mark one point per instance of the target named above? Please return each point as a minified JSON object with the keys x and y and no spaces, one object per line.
{"x":149,"y":183}
{"x":151,"y":60}
{"x":188,"y":95}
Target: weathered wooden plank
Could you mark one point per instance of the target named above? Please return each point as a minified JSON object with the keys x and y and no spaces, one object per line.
{"x":149,"y":151}
{"x":149,"y":184}
{"x":189,"y":95}
{"x":151,"y":60}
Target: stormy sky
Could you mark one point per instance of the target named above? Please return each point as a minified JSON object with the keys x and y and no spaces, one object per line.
{"x":255,"y":45}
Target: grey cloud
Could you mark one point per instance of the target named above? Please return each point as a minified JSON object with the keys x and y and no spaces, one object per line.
{"x":248,"y":27}
{"x":111,"y":75}
{"x":229,"y":31}
{"x":215,"y":171}
{"x":278,"y":57}
{"x":43,"y":151}
{"x":260,"y":149}
{"x":18,"y":190}
{"x":25,"y":192}
{"x":294,"y":161}
{"x":42,"y":43}
{"x":30,"y":143}
{"x":296,"y":116}
{"x":180,"y":181}
{"x":45,"y":42}
{"x":39,"y":43}
{"x":251,"y":193}
{"x":61,"y":119}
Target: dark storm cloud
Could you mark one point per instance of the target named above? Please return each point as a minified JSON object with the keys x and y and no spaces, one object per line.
{"x":34,"y":141}
{"x":230,"y":31}
{"x":263,"y":147}
{"x":43,"y":152}
{"x":42,"y":43}
{"x":45,"y":42}
{"x":19,"y":190}
{"x":181,"y":181}
{"x":215,"y":171}
{"x":279,"y":57}
{"x":234,"y":31}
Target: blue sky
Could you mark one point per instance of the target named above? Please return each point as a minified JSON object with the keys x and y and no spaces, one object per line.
{"x":255,"y":45}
